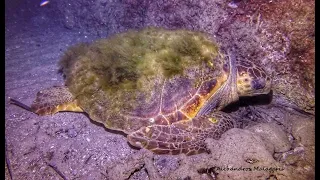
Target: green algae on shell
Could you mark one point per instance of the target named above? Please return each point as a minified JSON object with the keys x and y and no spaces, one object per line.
{"x":113,"y":76}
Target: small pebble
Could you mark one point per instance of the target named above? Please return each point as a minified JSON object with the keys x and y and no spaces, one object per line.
{"x":72,"y":133}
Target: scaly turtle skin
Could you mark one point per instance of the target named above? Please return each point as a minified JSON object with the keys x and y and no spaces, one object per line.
{"x":164,"y":88}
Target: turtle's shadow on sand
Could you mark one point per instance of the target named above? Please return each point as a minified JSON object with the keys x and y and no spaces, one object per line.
{"x":110,"y":130}
{"x":263,"y":99}
{"x":101,"y":125}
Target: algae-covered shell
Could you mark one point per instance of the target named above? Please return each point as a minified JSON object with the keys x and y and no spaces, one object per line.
{"x":144,"y":77}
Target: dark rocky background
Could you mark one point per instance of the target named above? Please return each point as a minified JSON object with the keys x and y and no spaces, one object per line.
{"x":279,"y":35}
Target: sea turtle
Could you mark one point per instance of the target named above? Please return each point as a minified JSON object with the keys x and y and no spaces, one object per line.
{"x":163,"y":88}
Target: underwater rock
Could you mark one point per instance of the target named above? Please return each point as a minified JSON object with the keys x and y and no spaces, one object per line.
{"x":165,"y":164}
{"x":130,"y":167}
{"x":299,"y":162}
{"x":304,"y":131}
{"x":274,"y":137}
{"x":109,"y":17}
{"x":242,"y":149}
{"x":7,"y":172}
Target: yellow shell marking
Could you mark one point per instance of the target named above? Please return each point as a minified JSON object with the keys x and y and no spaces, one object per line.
{"x":72,"y":106}
{"x":213,"y":120}
{"x":192,"y":107}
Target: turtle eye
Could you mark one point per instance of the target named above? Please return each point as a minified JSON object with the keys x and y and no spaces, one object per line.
{"x":213,"y":120}
{"x":226,"y":67}
{"x":258,"y":84}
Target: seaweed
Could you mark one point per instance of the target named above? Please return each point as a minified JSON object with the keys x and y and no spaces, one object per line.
{"x":124,"y":60}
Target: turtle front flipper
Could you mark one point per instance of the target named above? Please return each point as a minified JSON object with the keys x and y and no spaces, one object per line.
{"x":51,"y":100}
{"x":184,"y":136}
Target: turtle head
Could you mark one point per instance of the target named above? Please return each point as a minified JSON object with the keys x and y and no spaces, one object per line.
{"x":251,"y":79}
